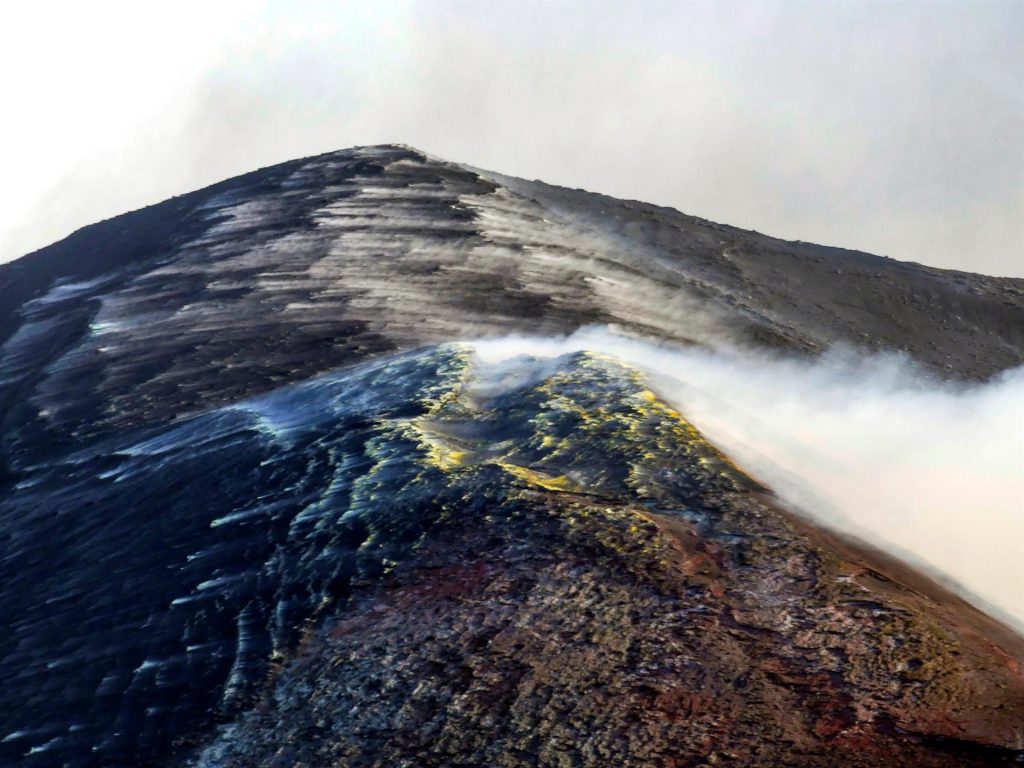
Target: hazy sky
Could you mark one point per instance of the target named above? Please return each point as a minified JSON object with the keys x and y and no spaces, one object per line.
{"x":892,"y":127}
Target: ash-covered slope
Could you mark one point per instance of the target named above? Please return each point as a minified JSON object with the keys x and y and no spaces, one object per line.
{"x":230,"y":494}
{"x":296,"y":269}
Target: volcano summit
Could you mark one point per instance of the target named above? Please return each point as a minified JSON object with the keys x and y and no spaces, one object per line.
{"x":262,"y":504}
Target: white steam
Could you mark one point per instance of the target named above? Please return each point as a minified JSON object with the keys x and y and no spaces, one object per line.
{"x":873,"y":446}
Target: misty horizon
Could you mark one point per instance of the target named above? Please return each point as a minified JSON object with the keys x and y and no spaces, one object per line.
{"x":891,"y":130}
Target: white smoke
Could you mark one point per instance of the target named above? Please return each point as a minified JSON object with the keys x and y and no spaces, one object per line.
{"x":873,"y":446}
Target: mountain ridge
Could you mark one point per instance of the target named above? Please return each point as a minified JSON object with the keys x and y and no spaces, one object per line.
{"x":295,"y":239}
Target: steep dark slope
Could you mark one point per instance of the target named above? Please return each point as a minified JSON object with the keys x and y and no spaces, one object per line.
{"x":241,"y":486}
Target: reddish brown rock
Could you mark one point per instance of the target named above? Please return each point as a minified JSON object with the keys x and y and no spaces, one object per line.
{"x":674,"y":617}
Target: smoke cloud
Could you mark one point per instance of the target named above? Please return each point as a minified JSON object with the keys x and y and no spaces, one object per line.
{"x":932,"y":472}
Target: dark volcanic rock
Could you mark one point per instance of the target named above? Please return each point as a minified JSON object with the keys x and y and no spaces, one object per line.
{"x":242,"y":524}
{"x":152,"y":581}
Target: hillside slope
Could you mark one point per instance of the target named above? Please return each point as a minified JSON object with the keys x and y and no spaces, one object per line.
{"x":299,"y":268}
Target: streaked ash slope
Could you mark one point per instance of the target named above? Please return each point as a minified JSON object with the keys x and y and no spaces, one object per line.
{"x":256,"y":510}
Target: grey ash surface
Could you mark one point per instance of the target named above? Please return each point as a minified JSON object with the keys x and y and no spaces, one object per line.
{"x":296,"y":269}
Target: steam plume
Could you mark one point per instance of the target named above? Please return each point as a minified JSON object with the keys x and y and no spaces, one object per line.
{"x":872,"y":446}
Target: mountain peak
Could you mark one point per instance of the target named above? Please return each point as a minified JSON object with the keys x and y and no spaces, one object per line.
{"x":245,"y":476}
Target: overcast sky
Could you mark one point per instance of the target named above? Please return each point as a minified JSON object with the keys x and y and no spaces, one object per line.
{"x":890,"y":127}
